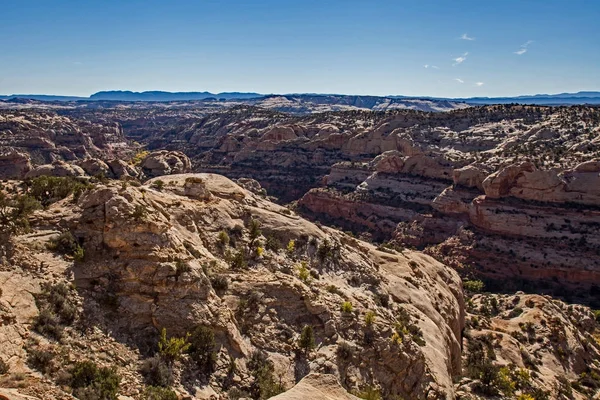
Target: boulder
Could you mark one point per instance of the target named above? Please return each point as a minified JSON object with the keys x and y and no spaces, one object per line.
{"x":57,"y":168}
{"x":13,"y":164}
{"x":95,"y":167}
{"x":470,"y":176}
{"x":164,"y":162}
{"x":317,"y":386}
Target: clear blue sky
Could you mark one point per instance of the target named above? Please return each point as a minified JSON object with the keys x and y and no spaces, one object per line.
{"x":77,"y":47}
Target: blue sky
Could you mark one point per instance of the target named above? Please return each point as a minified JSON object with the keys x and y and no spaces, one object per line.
{"x":354,"y":47}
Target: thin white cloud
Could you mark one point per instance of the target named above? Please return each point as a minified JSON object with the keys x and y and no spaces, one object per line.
{"x":460,"y":60}
{"x":523,"y":48}
{"x":478,"y":83}
{"x":431,"y":66}
{"x":459,"y":80}
{"x":466,"y":37}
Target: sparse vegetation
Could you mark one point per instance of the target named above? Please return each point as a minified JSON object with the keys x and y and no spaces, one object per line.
{"x":265,"y":384}
{"x":159,"y":393}
{"x":171,"y":349}
{"x":347,"y":307}
{"x":66,"y":244}
{"x":56,"y":310}
{"x":89,"y":382}
{"x":307,"y":339}
{"x":202,"y":349}
{"x":157,"y":372}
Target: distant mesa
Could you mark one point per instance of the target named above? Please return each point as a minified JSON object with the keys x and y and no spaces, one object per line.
{"x":361,"y":101}
{"x":169,"y":96}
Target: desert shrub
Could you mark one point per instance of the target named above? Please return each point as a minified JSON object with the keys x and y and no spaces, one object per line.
{"x":65,"y":243}
{"x":515,"y":312}
{"x":238,"y":260}
{"x":369,"y":393}
{"x":324,"y":251}
{"x":291,"y":247}
{"x":258,"y":252}
{"x":139,"y":212}
{"x":159,"y":393}
{"x":345,"y":351}
{"x":3,"y":367}
{"x":369,"y":318}
{"x":303,"y":272}
{"x":307,"y":339}
{"x":202,"y":349}
{"x":156,"y":372}
{"x":223,"y":239}
{"x":171,"y":349}
{"x":92,"y":383}
{"x":254,"y":231}
{"x":181,"y":267}
{"x":236,"y":394}
{"x":273,"y":243}
{"x":219,"y":283}
{"x":263,"y":371}
{"x":48,"y":324}
{"x":158,"y":185}
{"x":56,"y":310}
{"x":335,"y":290}
{"x":15,"y":211}
{"x":346,"y":307}
{"x":50,"y":189}
{"x":39,"y":359}
{"x":139,"y":157}
{"x":382,"y":299}
{"x":473,"y":286}
{"x":597,"y":315}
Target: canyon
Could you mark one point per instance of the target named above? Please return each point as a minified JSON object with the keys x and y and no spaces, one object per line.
{"x":389,"y":214}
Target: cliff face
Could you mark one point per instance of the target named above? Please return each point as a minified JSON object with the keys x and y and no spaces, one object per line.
{"x":42,"y":137}
{"x":152,"y":258}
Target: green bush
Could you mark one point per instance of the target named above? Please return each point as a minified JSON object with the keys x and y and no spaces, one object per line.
{"x":202,"y":349}
{"x":66,"y":244}
{"x":238,"y":260}
{"x":172,"y":349}
{"x":50,"y":189}
{"x":39,"y":359}
{"x":14,"y":212}
{"x":345,"y":351}
{"x":307,"y":339}
{"x":219,"y":283}
{"x":158,"y":185}
{"x":90,"y":382}
{"x":56,"y":310}
{"x":473,"y":286}
{"x":156,"y":372}
{"x":262,"y":370}
{"x":223,"y":239}
{"x":159,"y":393}
{"x":346,"y":307}
{"x":369,"y":393}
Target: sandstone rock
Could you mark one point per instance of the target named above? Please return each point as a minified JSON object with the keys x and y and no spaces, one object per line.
{"x":120,"y":169}
{"x":13,"y":164}
{"x":95,"y":167}
{"x":57,"y":168}
{"x":165,"y":162}
{"x":421,"y":164}
{"x":317,"y":386}
{"x":470,"y":176}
